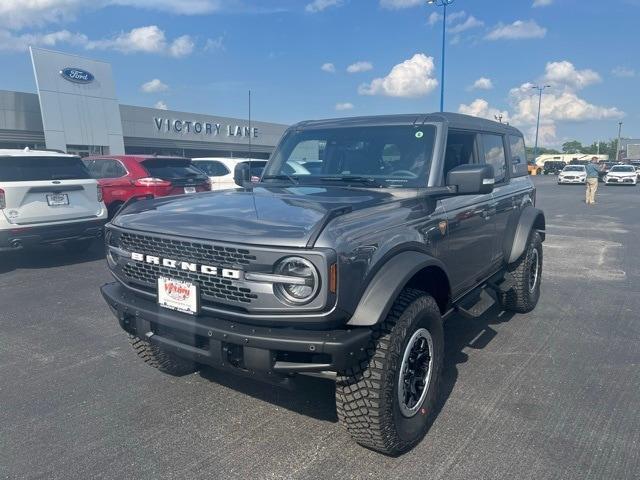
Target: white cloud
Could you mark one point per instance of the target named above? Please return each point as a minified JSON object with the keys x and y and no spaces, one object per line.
{"x":560,"y":104}
{"x":398,"y":4}
{"x":17,"y":14}
{"x":19,"y":43}
{"x":469,"y":23}
{"x":434,"y":18}
{"x":564,"y":74}
{"x":214,"y":44}
{"x":321,"y":5}
{"x":359,"y":67}
{"x":624,"y":72}
{"x":154,"y":86}
{"x":411,"y":78}
{"x":181,"y":47}
{"x":520,"y":29}
{"x":328,"y":67}
{"x":541,"y":3}
{"x":483,"y":83}
{"x":149,"y":39}
{"x":480,"y":108}
{"x":344,"y":106}
{"x":161,"y":105}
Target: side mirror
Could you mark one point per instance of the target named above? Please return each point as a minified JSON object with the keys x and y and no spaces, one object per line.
{"x":242,"y":174}
{"x":471,"y":179}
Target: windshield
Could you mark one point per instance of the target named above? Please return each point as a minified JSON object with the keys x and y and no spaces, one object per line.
{"x":389,"y":156}
{"x":574,"y":168}
{"x":172,"y":168}
{"x":29,"y":169}
{"x":623,"y":168}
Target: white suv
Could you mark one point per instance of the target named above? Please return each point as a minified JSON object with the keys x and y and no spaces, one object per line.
{"x":48,"y":198}
{"x":220,"y":170}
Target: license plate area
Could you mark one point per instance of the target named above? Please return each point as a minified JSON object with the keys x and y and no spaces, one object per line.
{"x":178,"y":295}
{"x":57,"y":199}
{"x":189,"y":189}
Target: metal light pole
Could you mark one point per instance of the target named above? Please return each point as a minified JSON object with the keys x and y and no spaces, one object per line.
{"x":618,"y":142}
{"x":444,"y":4}
{"x":540,"y":90}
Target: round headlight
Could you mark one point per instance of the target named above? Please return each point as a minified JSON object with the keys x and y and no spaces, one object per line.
{"x":307,"y":283}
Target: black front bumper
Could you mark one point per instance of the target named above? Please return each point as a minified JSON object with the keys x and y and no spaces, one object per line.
{"x":19,"y":237}
{"x":221,"y":343}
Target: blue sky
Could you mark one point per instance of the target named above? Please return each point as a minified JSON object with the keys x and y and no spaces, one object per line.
{"x":205,"y":54}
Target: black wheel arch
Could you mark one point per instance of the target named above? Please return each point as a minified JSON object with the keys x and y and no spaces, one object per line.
{"x":531,"y":218}
{"x":412,"y":269}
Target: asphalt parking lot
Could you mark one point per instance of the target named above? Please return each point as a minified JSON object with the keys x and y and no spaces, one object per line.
{"x":551,"y":394}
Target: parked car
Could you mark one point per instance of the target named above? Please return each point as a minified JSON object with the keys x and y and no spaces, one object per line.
{"x":603,"y":169}
{"x":123,"y":177}
{"x":220,"y":170}
{"x":621,"y":175}
{"x":573,"y":174}
{"x":349,"y":270}
{"x":48,"y":197}
{"x":533,"y":169}
{"x":553,"y":167}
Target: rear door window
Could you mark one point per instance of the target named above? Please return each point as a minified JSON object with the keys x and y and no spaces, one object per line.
{"x":494,"y":155}
{"x":31,"y":169}
{"x":213,"y":168}
{"x":171,"y":168}
{"x":518,"y":153}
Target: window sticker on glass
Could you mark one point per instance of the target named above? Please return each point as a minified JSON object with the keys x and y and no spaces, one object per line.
{"x":419,"y":134}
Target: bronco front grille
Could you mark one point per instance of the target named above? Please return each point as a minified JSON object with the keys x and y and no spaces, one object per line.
{"x":186,"y":250}
{"x":212,"y":289}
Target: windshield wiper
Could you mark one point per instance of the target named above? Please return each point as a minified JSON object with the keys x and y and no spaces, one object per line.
{"x":353,"y":179}
{"x":283,"y":176}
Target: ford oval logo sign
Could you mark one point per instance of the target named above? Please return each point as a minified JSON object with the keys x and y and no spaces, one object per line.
{"x":76,"y":75}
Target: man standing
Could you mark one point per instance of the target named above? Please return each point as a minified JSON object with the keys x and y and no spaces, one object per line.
{"x":592,"y":181}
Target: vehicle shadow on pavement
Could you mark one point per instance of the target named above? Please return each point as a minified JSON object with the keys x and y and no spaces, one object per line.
{"x":315,"y":397}
{"x":461,"y":332}
{"x":48,"y":257}
{"x":310,"y":396}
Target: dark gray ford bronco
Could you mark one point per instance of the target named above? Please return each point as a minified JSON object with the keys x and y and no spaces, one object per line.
{"x":361,"y":236}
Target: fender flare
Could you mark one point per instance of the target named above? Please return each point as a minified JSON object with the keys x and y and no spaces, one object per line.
{"x":386,"y":285}
{"x":531,"y":218}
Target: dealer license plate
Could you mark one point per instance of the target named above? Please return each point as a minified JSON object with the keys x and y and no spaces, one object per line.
{"x":57,"y":199}
{"x":178,"y":295}
{"x":189,"y":189}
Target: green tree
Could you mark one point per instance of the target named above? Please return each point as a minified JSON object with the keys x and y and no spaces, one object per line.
{"x":572,"y":146}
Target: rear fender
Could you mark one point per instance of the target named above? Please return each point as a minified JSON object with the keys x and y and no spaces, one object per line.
{"x":531,"y":218}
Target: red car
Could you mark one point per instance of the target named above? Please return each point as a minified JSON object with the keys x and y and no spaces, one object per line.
{"x":125,"y":176}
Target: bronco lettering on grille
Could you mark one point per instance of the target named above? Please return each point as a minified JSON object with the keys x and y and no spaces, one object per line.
{"x":187,"y":266}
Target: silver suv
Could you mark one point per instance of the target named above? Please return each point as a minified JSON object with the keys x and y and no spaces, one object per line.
{"x":48,"y":198}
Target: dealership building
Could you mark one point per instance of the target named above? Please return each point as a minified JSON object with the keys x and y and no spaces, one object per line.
{"x":76,"y":110}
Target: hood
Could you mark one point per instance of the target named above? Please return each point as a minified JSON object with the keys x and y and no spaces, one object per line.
{"x":274,"y":216}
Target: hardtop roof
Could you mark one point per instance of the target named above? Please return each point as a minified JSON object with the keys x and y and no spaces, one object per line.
{"x":453,"y":120}
{"x":16,"y":152}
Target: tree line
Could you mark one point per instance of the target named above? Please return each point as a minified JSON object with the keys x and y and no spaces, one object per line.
{"x":574,"y":146}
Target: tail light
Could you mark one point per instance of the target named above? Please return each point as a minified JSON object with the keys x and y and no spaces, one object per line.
{"x":99,"y":193}
{"x":3,"y":201}
{"x":152,"y":182}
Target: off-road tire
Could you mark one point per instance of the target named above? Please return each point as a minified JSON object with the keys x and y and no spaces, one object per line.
{"x":367,"y":394}
{"x":164,"y":361}
{"x":520,"y":299}
{"x":78,"y":246}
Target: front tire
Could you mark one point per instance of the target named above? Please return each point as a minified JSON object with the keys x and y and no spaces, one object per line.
{"x":387,"y":402}
{"x":527,"y":275}
{"x":164,"y":361}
